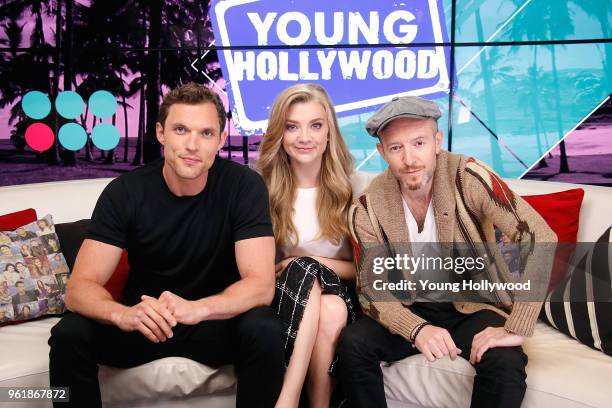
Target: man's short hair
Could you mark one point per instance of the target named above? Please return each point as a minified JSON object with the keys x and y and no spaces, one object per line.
{"x":191,"y":94}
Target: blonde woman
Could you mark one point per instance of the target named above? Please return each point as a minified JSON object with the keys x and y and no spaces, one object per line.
{"x":306,"y":166}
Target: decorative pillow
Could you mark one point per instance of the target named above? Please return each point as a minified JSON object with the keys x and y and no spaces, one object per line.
{"x":33,"y":272}
{"x":561,"y":211}
{"x":71,"y":235}
{"x":117,"y":281}
{"x":581,"y":305}
{"x":9,"y":222}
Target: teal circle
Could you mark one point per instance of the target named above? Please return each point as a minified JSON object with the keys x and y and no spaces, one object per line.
{"x":102,"y":104}
{"x":105,"y":136}
{"x":72,"y":136}
{"x":36,"y":104}
{"x":69,"y":104}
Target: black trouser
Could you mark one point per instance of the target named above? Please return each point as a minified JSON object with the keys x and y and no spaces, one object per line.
{"x":250,"y":341}
{"x":500,"y":375}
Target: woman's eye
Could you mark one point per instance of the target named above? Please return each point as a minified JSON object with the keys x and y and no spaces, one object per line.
{"x":317,"y":126}
{"x":291,"y":127}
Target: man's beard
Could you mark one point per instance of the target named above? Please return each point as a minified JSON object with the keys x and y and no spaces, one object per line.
{"x":412,"y":186}
{"x":409,"y":186}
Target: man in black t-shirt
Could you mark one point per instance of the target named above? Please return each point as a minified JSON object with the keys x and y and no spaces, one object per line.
{"x":201,"y":252}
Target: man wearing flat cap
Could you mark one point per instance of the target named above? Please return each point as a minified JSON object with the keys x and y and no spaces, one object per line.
{"x":429,"y":195}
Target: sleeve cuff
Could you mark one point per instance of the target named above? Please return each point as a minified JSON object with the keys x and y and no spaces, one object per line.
{"x":397,"y":318}
{"x":523,"y":318}
{"x":264,"y":230}
{"x":105,"y":240}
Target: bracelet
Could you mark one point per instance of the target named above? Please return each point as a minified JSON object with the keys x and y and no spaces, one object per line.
{"x":416,"y":331}
{"x":411,"y":336}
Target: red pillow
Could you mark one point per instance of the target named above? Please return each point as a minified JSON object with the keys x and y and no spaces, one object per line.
{"x":561,"y":211}
{"x":12,"y":221}
{"x":117,"y":280}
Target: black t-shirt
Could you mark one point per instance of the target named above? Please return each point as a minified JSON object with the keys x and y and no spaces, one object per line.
{"x":181,"y":244}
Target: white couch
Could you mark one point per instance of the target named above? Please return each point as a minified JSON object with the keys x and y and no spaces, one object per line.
{"x":561,"y":371}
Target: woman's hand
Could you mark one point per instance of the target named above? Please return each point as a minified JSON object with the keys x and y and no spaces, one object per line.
{"x":280,"y":267}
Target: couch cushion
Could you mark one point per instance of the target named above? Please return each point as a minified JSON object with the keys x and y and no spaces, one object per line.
{"x":170,"y":377}
{"x":24,"y":357}
{"x":561,"y":372}
{"x":24,"y":361}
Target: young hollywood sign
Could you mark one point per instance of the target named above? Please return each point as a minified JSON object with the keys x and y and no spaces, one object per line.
{"x":308,"y":33}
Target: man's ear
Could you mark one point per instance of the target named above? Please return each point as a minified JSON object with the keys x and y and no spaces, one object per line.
{"x":222,"y":138}
{"x":381,"y":150}
{"x":439,"y":138}
{"x":159,"y":133}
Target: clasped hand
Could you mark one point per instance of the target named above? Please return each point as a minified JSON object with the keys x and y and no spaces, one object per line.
{"x":155,"y":318}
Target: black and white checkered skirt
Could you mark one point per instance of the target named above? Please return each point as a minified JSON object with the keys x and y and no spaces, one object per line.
{"x":293,"y":290}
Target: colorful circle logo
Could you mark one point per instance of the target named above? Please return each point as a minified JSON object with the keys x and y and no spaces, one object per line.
{"x":70,"y":105}
{"x":36,"y":105}
{"x":72,"y":136}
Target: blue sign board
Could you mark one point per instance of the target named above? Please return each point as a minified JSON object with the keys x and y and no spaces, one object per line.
{"x":360,"y":51}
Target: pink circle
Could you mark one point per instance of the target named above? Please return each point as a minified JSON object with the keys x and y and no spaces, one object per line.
{"x":39,"y":136}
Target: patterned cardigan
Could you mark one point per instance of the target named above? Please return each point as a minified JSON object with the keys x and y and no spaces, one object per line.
{"x":468,"y":200}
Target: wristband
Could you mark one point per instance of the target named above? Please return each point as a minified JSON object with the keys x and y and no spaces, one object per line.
{"x":417,"y":330}
{"x":412,"y":336}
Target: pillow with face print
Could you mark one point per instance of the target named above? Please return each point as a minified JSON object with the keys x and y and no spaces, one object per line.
{"x":33,"y":272}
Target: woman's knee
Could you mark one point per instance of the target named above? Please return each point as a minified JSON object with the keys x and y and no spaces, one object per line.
{"x":333,"y":316}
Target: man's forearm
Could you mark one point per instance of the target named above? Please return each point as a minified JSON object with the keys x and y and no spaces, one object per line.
{"x":90,"y":299}
{"x":236,"y":299}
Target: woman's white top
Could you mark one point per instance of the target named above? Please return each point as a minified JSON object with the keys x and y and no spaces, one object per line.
{"x":306,"y":224}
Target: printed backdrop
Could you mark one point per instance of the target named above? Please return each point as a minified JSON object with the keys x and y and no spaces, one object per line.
{"x":81,"y":81}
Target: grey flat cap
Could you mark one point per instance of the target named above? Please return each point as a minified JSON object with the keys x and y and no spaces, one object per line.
{"x":404,"y":107}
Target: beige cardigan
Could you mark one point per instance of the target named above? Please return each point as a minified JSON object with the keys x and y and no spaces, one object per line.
{"x":468,"y":200}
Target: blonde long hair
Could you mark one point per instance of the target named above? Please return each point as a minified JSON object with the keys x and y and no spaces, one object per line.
{"x":335,"y":192}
